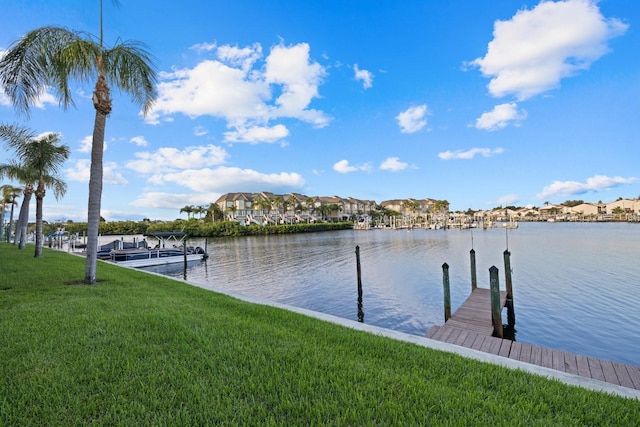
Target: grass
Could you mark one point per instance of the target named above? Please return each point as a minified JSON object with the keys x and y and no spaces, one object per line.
{"x":137,"y":349}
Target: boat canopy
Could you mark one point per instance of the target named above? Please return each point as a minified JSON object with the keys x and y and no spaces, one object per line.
{"x":165,"y":237}
{"x":167,"y":234}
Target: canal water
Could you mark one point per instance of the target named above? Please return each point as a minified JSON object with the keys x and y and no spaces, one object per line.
{"x":576,"y":285}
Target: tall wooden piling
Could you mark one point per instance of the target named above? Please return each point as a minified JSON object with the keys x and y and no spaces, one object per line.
{"x":474,"y":278}
{"x":511,"y":314}
{"x":447,"y":291}
{"x":359,"y":274}
{"x":496,"y":309}
{"x":184,"y":251}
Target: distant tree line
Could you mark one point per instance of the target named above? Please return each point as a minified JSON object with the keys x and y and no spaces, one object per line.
{"x":194,"y":228}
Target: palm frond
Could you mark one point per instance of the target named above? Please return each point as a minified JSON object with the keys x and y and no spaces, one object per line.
{"x":46,"y":57}
{"x":129,"y":67}
{"x":15,"y":135}
{"x":19,"y":172}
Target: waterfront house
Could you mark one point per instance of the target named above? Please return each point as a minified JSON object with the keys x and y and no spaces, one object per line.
{"x":584,"y":210}
{"x":269,"y":208}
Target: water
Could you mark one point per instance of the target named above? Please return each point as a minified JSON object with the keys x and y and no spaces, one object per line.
{"x":576,"y":285}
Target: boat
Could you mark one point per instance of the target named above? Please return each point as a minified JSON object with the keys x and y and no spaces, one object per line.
{"x":139,"y":255}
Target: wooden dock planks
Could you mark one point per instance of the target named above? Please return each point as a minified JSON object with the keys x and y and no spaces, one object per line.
{"x":475,"y":313}
{"x":584,"y":366}
{"x":471,"y":327}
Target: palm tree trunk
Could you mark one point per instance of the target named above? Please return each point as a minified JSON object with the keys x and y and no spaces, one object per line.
{"x":102,"y":104}
{"x":1,"y":221}
{"x":95,"y":197}
{"x":23,"y":220}
{"x":13,"y":202}
{"x":40,"y":192}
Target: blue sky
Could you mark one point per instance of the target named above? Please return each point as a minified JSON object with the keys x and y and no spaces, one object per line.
{"x":482,"y":103}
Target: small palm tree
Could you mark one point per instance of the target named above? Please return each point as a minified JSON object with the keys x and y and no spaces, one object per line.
{"x":44,"y":155}
{"x":276,"y":202}
{"x":9,"y":195}
{"x":285,"y":208}
{"x":214,"y":213}
{"x":27,"y":176}
{"x":311,"y":207}
{"x":48,"y":58}
{"x":5,"y":199}
{"x":232,"y":210}
{"x":188,"y":209}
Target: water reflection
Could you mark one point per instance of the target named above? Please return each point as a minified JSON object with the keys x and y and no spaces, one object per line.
{"x":583,"y":276}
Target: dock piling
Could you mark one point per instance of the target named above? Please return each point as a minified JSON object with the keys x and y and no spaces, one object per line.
{"x":359,"y":274}
{"x":474,"y":279}
{"x":447,"y":291}
{"x":496,"y":310}
{"x":511,"y":314}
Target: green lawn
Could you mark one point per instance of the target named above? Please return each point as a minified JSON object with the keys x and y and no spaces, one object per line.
{"x":137,"y":349}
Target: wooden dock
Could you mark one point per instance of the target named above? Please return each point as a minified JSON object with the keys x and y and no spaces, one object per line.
{"x":471,"y":327}
{"x":475,"y":313}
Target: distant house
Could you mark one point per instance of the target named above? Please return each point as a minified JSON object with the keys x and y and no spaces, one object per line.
{"x":411,"y":207}
{"x":551,"y":211}
{"x":528,"y":213}
{"x":270,"y":208}
{"x":627,"y":206}
{"x":586,"y":209}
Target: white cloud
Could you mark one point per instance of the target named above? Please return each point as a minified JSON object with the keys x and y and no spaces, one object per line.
{"x":470,"y":154}
{"x":507,"y":200}
{"x":500,"y":117}
{"x":257,"y":134}
{"x":534,"y":50}
{"x":80,"y":172}
{"x":244,"y":58}
{"x":343,"y":166}
{"x":224,"y":178}
{"x":173,"y":201}
{"x":595,"y":183}
{"x":87,"y":142}
{"x":170,"y":158}
{"x":240,"y":90}
{"x":363,"y":75}
{"x":290,"y":67}
{"x":54,"y":212}
{"x":140,"y":141}
{"x":394,"y":164}
{"x":44,"y":99}
{"x":412,"y":119}
{"x":203,"y":47}
{"x":200,"y":131}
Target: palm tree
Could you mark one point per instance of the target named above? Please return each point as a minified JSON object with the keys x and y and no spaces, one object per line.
{"x":5,"y":199}
{"x":276,"y":202}
{"x":200,"y":210}
{"x":310,"y":205}
{"x":49,"y":57}
{"x":9,"y":195}
{"x":333,"y":209}
{"x":44,"y":155}
{"x":232,"y":210}
{"x":285,"y":208}
{"x":188,"y":209}
{"x":27,"y":176}
{"x":214,"y":213}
